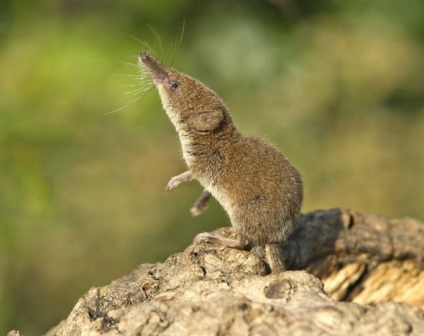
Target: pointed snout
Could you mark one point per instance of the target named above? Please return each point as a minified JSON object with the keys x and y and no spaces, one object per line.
{"x":156,"y":69}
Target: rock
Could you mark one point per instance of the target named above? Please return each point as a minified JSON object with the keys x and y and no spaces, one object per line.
{"x":214,"y":290}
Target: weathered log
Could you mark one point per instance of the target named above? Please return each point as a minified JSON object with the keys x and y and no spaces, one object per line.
{"x":214,"y":290}
{"x":362,"y":258}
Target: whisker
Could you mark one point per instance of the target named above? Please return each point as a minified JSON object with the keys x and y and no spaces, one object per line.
{"x":132,"y":65}
{"x":133,"y":92}
{"x":142,"y":81}
{"x":158,"y":41}
{"x":126,"y":75}
{"x":131,"y":102}
{"x":141,"y":85}
{"x":145,"y":45}
{"x":131,"y":85}
{"x":178,"y":44}
{"x":137,"y":91}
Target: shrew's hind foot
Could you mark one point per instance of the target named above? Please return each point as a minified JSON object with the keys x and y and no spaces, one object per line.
{"x":215,"y":238}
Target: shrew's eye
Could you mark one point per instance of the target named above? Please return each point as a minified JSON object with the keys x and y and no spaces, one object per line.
{"x":174,"y":85}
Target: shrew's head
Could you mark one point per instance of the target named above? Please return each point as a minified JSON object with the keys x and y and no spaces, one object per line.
{"x":190,"y":104}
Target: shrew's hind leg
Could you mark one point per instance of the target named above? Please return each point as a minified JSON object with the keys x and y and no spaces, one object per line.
{"x":274,"y":256}
{"x":201,"y":203}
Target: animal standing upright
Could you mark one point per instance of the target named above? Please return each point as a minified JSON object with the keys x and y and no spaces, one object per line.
{"x":253,"y":181}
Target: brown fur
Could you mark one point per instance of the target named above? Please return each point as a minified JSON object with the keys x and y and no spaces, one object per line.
{"x":253,"y":181}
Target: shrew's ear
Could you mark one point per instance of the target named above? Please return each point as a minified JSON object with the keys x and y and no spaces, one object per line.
{"x":206,"y":121}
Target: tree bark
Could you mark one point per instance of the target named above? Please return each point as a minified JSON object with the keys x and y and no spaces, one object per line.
{"x":335,"y":257}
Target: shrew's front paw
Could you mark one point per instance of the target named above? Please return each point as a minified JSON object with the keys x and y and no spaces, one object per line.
{"x":172,"y":184}
{"x":176,"y":180}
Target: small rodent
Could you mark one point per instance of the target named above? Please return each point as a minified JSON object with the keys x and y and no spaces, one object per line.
{"x":253,"y":181}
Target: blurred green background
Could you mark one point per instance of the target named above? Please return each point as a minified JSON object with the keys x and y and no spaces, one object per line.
{"x":337,"y":85}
